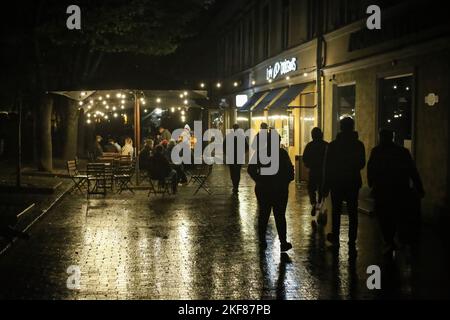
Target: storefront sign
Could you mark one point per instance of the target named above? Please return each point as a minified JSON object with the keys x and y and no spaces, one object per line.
{"x":281,"y":68}
{"x":241,"y":100}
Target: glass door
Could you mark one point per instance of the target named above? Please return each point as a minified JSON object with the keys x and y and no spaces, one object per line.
{"x":395,"y":111}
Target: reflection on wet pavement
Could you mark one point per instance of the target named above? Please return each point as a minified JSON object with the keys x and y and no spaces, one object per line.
{"x":201,"y":247}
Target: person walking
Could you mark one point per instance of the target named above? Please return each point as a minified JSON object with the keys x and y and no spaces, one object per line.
{"x":272,"y":193}
{"x":235,"y":166}
{"x":344,"y":161}
{"x":390,"y":171}
{"x":313,"y":158}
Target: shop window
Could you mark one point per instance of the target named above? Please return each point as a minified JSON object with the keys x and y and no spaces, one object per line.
{"x":345,"y":101}
{"x":395,"y":109}
{"x":266,"y":30}
{"x":308,"y":118}
{"x":285,"y":20}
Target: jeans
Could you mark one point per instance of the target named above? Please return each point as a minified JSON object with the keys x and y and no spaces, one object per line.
{"x":268,"y":200}
{"x":235,"y":174}
{"x":350,"y":196}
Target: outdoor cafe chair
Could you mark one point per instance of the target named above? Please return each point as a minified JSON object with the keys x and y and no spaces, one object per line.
{"x":200,"y":177}
{"x":97,"y":179}
{"x":78,"y":179}
{"x":158,"y":185}
{"x":122,"y":178}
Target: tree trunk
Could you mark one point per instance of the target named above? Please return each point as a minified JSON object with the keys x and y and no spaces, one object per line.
{"x":45,"y":134}
{"x":70,"y":137}
{"x":81,"y":146}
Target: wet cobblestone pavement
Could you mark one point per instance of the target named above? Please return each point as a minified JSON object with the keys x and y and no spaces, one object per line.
{"x":203,"y":247}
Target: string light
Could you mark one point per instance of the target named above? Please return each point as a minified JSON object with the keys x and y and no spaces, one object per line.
{"x":288,"y":78}
{"x":115,"y":115}
{"x":88,"y":121}
{"x":172,"y":109}
{"x":114,"y":108}
{"x":185,"y":93}
{"x":118,"y":95}
{"x":83,"y":94}
{"x":305,"y":74}
{"x":108,"y":96}
{"x":253,"y":82}
{"x":80,"y":103}
{"x":107,"y":107}
{"x":122,"y":107}
{"x":218,"y":85}
{"x":123,"y":101}
{"x":104,"y":102}
{"x":202,"y":85}
{"x":158,"y":100}
{"x":185,"y":101}
{"x":181,"y":96}
{"x":235,"y":84}
{"x":100,"y":98}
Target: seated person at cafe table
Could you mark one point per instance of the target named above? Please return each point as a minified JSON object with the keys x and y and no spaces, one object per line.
{"x":160,"y":168}
{"x":128,"y":149}
{"x":111,"y":147}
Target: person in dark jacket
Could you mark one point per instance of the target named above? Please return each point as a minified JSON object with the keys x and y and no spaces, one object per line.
{"x":345,"y":159}
{"x":235,"y":167}
{"x":161,"y":169}
{"x":272,"y":192}
{"x":389,"y":172}
{"x":313,"y":158}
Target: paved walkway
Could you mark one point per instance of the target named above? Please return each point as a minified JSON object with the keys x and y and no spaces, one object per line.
{"x":202,"y":247}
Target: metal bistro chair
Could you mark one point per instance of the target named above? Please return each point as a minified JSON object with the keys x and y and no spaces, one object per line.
{"x":96,"y":178}
{"x":78,"y":179}
{"x":201,"y":176}
{"x":158,"y":185}
{"x":122,"y":177}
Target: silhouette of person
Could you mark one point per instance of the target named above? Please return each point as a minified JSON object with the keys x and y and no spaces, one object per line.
{"x":272,"y":192}
{"x":389,"y":172}
{"x":344,"y":161}
{"x":313,"y":158}
{"x":235,"y":167}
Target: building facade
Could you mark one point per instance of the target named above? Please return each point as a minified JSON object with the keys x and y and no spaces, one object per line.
{"x":297,"y":64}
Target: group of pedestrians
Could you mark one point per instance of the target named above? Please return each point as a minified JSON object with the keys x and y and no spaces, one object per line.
{"x":335,"y":171}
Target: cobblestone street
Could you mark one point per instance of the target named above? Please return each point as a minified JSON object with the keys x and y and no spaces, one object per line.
{"x":202,"y":247}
